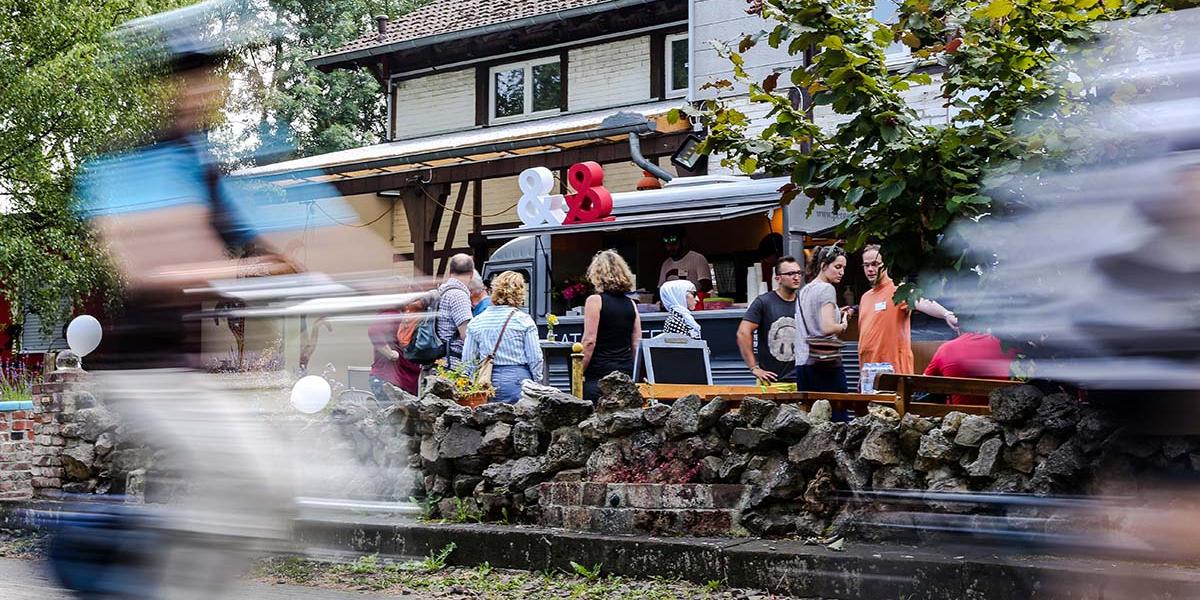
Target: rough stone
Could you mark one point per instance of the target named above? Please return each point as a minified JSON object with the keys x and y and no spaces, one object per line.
{"x":751,"y":439}
{"x":105,"y":444}
{"x":974,"y":429}
{"x":854,"y":432}
{"x":641,"y":448}
{"x":881,"y":445}
{"x":822,"y":412}
{"x":656,"y":414}
{"x":495,"y":412}
{"x":712,"y":412}
{"x":1021,"y":457}
{"x":856,"y":473}
{"x":497,"y":439}
{"x":1063,"y":465}
{"x":684,"y":418}
{"x":1176,"y":446}
{"x":525,"y":439}
{"x":986,"y":462}
{"x":431,"y":407}
{"x":818,"y":494}
{"x":129,"y":459}
{"x":896,"y":477}
{"x":1014,"y":403}
{"x":951,"y":422}
{"x":934,"y":445}
{"x":553,"y":409}
{"x":728,"y":422}
{"x":440,"y":387}
{"x":945,"y":480}
{"x":516,"y":474}
{"x":622,"y":422}
{"x":464,"y":485}
{"x":733,"y":465}
{"x":710,"y":469}
{"x":819,"y":443}
{"x":473,"y":464}
{"x":1058,"y":412}
{"x":603,"y":460}
{"x":78,"y":460}
{"x":914,"y":421}
{"x":567,"y":449}
{"x":94,"y":421}
{"x":788,"y":423}
{"x":1026,"y":432}
{"x":460,"y":441}
{"x":754,"y":410}
{"x":618,"y":391}
{"x":1049,"y":442}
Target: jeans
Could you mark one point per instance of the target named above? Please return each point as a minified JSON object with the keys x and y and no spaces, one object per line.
{"x":817,"y":377}
{"x":507,"y":381}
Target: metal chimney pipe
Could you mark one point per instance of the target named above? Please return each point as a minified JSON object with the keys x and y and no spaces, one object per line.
{"x":381,"y":22}
{"x":635,"y":154}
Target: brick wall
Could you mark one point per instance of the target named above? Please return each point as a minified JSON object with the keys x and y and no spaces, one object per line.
{"x":613,"y":74}
{"x":16,"y":450}
{"x":435,"y":103}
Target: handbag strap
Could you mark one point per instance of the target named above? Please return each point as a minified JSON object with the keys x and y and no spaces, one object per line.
{"x":800,"y":307}
{"x":500,"y":337}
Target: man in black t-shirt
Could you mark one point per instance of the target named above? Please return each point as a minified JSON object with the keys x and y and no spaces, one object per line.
{"x":773,"y":316}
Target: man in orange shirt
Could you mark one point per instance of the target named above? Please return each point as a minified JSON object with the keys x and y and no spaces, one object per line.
{"x":884,"y":328}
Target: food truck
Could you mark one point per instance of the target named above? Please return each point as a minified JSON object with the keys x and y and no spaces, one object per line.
{"x":726,"y":219}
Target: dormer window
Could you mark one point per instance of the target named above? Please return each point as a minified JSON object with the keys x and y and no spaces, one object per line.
{"x":526,"y":89}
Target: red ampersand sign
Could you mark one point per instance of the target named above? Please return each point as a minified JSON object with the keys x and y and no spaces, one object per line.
{"x":591,"y":202}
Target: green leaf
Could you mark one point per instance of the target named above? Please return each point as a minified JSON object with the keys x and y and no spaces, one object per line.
{"x":854,"y":196}
{"x":890,"y":191}
{"x":832,"y":42}
{"x":673,"y":116}
{"x":749,"y":165}
{"x":998,"y":9}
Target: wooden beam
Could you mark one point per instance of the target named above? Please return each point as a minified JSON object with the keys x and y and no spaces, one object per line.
{"x":662,"y":145}
{"x":658,"y":58}
{"x":453,"y":229}
{"x":482,"y":95}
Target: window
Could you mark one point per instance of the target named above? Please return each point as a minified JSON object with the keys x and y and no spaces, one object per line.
{"x":676,"y":47}
{"x":885,"y":12}
{"x":525,"y":89}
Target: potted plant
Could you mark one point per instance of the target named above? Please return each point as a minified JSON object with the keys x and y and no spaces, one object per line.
{"x":471,"y":393}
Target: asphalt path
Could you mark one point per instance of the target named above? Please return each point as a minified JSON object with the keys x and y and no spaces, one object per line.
{"x":26,"y":580}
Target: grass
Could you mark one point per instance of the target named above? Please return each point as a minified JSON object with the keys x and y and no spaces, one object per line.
{"x":431,"y":575}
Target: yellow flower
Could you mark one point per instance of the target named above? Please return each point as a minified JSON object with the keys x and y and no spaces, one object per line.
{"x":552,"y":319}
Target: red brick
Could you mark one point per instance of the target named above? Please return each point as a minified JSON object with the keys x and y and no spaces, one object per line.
{"x":21,"y":425}
{"x":3,"y":425}
{"x":18,"y":415}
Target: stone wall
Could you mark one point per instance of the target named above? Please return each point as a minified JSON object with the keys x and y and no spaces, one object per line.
{"x":553,"y":459}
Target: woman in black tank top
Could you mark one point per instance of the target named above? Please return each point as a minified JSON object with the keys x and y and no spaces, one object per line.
{"x":611,"y":325}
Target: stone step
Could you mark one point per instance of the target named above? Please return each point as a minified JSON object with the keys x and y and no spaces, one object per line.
{"x":656,"y":521}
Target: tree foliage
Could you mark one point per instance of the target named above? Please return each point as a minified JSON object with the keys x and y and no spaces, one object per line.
{"x":898,"y":180}
{"x":63,"y":98}
{"x":280,"y":102}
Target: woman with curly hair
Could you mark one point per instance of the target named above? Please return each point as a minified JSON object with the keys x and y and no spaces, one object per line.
{"x":507,"y":334}
{"x":611,"y":325}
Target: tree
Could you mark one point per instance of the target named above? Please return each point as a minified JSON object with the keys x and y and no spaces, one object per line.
{"x":898,"y":181}
{"x":64,"y":96}
{"x":282,"y":102}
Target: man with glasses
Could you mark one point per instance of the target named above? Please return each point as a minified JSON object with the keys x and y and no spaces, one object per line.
{"x":884,"y":328}
{"x":773,"y":316}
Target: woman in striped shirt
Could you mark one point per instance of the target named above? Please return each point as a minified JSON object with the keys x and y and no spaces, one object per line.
{"x":508,"y":332}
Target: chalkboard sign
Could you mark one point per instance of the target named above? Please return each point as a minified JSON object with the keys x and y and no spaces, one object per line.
{"x":670,"y":358}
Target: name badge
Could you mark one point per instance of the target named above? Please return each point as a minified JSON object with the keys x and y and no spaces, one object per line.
{"x":683,"y":273}
{"x":881,"y":306}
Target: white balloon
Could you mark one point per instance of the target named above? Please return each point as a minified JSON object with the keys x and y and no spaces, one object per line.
{"x":311,"y":394}
{"x":83,"y":334}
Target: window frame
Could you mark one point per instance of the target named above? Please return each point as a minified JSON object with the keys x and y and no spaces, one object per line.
{"x":668,"y":65}
{"x":894,"y":60}
{"x":527,"y":96}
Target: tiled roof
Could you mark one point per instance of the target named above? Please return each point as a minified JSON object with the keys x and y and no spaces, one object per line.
{"x":446,"y":16}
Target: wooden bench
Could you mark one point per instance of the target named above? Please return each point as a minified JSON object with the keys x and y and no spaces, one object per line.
{"x":667,"y":392}
{"x":903,"y":386}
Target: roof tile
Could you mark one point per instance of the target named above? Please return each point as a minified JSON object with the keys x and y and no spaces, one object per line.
{"x":446,"y":16}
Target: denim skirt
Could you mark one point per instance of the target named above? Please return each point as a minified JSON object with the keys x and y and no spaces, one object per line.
{"x":507,"y":381}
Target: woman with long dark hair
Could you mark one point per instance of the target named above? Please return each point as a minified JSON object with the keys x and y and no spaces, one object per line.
{"x":818,"y":322}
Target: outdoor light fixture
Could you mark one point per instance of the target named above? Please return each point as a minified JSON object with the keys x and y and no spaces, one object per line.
{"x":688,"y":156}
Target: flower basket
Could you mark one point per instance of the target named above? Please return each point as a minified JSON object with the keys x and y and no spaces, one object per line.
{"x":474,"y":399}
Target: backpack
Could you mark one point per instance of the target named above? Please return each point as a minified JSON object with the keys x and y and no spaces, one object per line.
{"x":418,"y":337}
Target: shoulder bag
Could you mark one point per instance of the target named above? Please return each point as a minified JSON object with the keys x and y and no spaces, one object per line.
{"x":483,"y":373}
{"x":821,"y":350}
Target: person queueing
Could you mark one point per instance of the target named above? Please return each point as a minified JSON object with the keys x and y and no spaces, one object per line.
{"x":612,"y":327}
{"x":885,"y":328}
{"x":480,"y":300}
{"x":454,"y":307}
{"x":972,"y":355}
{"x":818,"y":322}
{"x":773,"y":316}
{"x":679,"y":298}
{"x":509,"y":336}
{"x":389,"y":365}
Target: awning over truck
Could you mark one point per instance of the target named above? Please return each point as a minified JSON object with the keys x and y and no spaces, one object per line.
{"x":687,"y":200}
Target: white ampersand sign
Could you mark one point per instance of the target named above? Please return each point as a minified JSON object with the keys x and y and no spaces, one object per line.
{"x":537,"y":205}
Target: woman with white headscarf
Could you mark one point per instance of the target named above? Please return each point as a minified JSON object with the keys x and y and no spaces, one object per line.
{"x":679,"y":298}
